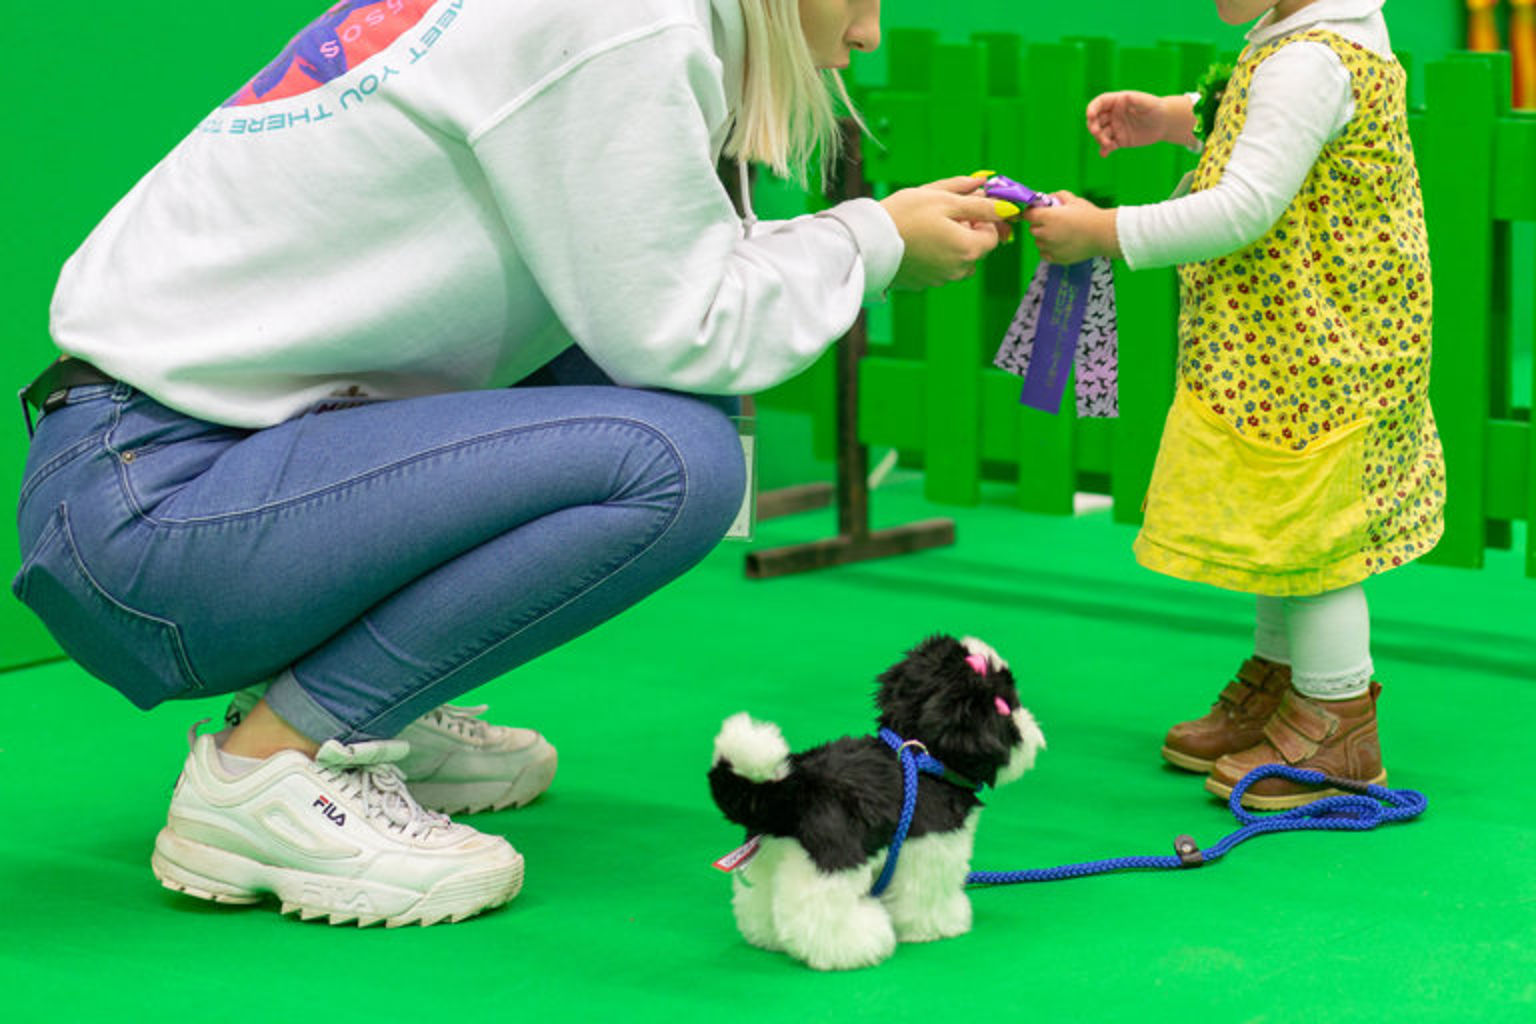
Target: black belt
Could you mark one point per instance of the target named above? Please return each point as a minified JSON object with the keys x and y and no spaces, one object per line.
{"x":51,"y":388}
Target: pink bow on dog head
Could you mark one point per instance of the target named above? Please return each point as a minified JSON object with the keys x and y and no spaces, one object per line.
{"x":979,"y":663}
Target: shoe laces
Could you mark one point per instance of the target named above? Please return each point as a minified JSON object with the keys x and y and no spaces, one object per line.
{"x":379,"y":787}
{"x":462,"y":721}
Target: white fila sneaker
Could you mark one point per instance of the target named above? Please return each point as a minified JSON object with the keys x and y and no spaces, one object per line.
{"x":338,"y":837}
{"x":458,"y":762}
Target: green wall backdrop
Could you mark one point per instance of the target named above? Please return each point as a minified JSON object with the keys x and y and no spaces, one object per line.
{"x":111,"y":87}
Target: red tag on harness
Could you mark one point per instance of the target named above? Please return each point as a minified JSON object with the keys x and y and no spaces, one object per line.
{"x":739,"y":856}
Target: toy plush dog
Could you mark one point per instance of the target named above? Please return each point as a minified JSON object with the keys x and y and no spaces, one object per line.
{"x":824,"y":818}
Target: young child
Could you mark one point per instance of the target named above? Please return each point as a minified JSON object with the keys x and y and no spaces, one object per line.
{"x":1300,"y":455}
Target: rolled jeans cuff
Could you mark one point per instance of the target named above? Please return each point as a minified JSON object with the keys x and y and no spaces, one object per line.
{"x":300,"y":711}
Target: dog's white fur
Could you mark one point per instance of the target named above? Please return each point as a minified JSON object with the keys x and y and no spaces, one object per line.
{"x":1023,"y":758}
{"x":783,"y":902}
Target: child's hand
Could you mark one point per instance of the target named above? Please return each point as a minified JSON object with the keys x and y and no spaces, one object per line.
{"x":947,"y":227}
{"x":1074,"y":231}
{"x":1121,"y":120}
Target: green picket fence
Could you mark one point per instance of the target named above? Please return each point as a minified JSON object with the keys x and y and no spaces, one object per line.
{"x":999,"y":103}
{"x":1017,"y":108}
{"x":1477,"y":159}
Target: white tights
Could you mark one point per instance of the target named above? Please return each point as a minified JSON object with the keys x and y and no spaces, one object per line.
{"x":1325,"y":638}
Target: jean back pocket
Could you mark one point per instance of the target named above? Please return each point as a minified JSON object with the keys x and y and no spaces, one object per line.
{"x":139,"y":655}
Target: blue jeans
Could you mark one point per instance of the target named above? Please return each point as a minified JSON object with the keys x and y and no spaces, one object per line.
{"x":377,"y":559}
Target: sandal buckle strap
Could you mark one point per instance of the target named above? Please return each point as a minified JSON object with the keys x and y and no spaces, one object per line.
{"x":1299,"y":728}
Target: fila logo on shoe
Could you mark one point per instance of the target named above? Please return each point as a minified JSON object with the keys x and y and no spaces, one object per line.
{"x":332,"y":894}
{"x":330,"y":810}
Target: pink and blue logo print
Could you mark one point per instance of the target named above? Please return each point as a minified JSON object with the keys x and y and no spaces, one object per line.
{"x":339,"y":40}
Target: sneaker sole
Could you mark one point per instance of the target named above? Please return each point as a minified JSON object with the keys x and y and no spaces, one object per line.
{"x":1256,"y":802}
{"x":1187,"y":762}
{"x":209,"y":873}
{"x":453,"y":798}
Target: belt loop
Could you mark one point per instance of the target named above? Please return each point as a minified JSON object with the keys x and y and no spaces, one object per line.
{"x":26,"y":412}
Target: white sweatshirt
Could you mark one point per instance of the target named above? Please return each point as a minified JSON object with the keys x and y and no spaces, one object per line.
{"x":1300,"y":100}
{"x":487,"y":183}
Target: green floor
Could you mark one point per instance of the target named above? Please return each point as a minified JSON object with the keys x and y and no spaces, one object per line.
{"x":624,"y":919}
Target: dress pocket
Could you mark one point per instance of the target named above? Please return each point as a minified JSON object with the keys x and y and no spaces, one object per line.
{"x":140,"y":655}
{"x":1223,"y":498}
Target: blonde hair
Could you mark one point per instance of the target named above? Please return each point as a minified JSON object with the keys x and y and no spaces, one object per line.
{"x":788,"y":119}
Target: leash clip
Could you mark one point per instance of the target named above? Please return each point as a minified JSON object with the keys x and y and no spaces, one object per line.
{"x":1188,"y":851}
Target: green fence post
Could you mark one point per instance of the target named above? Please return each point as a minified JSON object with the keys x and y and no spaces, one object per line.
{"x":1049,"y":147}
{"x":1456,"y":167}
{"x":952,"y":458}
{"x":909,"y":59}
{"x":900,"y":153}
{"x":1005,"y":62}
{"x":1193,"y":60}
{"x":1514,"y":204}
{"x":1092,"y":438}
{"x":891,"y":410}
{"x":900,"y":115}
{"x":923,"y":396}
{"x":1000,"y":271}
{"x":1147,"y":301}
{"x":1097,"y":181}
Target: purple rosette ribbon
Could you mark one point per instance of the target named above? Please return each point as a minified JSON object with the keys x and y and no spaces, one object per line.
{"x":1067,"y":317}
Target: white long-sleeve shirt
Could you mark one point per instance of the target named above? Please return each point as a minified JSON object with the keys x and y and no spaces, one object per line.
{"x":481,"y":184}
{"x":1299,"y":101}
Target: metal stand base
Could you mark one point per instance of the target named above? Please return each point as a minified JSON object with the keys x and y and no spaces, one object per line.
{"x":843,"y":550}
{"x":785,"y":501}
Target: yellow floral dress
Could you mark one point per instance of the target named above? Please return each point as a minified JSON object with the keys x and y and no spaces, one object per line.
{"x":1300,"y":454}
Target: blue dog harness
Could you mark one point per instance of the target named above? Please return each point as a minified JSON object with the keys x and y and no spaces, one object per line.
{"x":914,"y":758}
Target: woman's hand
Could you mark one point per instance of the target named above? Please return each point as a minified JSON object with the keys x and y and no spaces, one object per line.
{"x":1074,"y":231}
{"x":1122,"y":120}
{"x":947,"y":227}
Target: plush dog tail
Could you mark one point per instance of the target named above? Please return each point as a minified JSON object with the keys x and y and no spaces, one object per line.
{"x":754,"y":750}
{"x":750,"y":778}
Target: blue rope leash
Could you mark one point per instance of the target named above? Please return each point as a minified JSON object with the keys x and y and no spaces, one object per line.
{"x":1362,"y":808}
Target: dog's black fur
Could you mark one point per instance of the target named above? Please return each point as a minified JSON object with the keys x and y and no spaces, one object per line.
{"x":842,"y":801}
